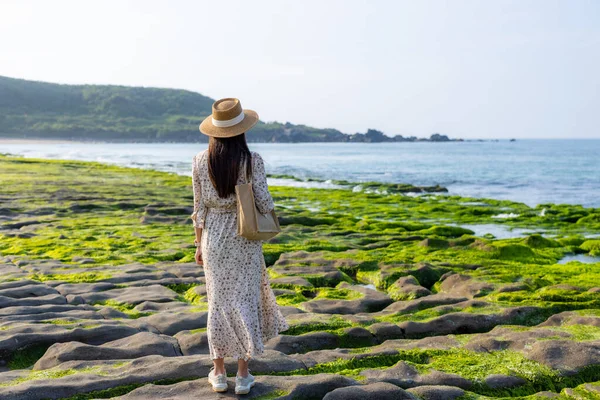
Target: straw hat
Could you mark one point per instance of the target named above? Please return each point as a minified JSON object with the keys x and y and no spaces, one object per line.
{"x":228,"y":119}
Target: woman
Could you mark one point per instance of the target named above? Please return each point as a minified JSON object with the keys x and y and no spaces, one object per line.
{"x":242,"y":312}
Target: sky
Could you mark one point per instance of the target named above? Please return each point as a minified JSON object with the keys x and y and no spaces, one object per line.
{"x":469,"y":69}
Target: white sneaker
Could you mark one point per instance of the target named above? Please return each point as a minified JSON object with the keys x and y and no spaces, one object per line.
{"x":218,"y":382}
{"x":243,"y":385}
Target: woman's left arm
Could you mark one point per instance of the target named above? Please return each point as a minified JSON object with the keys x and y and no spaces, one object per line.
{"x":262,"y":196}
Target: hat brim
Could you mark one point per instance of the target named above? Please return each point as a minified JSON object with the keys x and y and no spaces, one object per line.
{"x":250,"y":119}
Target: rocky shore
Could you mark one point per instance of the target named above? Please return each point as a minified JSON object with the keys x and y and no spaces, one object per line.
{"x":389,"y":294}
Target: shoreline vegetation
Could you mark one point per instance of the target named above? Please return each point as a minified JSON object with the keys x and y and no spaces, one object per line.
{"x":40,"y":110}
{"x":386,"y":293}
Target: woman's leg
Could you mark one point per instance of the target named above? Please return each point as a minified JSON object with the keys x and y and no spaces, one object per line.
{"x":242,"y":368}
{"x":219,"y":365}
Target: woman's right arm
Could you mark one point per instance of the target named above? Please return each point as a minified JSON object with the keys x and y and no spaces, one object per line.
{"x":199,"y":209}
{"x":262,"y":197}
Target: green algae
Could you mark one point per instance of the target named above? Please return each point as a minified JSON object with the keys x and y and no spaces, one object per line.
{"x":52,"y":373}
{"x":79,"y":277}
{"x":26,"y":357}
{"x":290,"y":299}
{"x":474,"y":366}
{"x":315,"y":280}
{"x":471,"y":365}
{"x":123,"y":390}
{"x":320,"y":281}
{"x":591,"y":246}
{"x":276,"y":394}
{"x":360,"y":363}
{"x":581,"y":391}
{"x":590,"y":312}
{"x":580,"y":332}
{"x":332,"y":324}
{"x":187,"y":294}
{"x":347,"y":341}
{"x":397,"y":294}
{"x":181,"y":288}
{"x":59,"y":321}
{"x":125,"y":308}
{"x":198,"y":308}
{"x":461,"y":338}
{"x":383,"y":275}
{"x":192,"y":297}
{"x":102,"y":223}
{"x":70,"y":325}
{"x":418,"y":316}
{"x":545,"y":297}
{"x":337,"y":294}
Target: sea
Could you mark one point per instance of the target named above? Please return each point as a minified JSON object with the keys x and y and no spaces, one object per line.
{"x":528,"y":171}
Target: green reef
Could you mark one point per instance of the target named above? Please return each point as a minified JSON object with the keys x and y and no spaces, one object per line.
{"x":434,"y":293}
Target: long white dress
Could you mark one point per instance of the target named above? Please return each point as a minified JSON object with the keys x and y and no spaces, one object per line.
{"x":242,"y":312}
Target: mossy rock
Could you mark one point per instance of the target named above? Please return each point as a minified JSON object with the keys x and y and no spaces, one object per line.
{"x":514,"y":252}
{"x":463,"y":241}
{"x":305,"y":220}
{"x":592,"y":219}
{"x":434,"y":243}
{"x":448,"y":231}
{"x":592,"y":246}
{"x":337,"y":294}
{"x":426,"y":274}
{"x":407,"y":288}
{"x":537,"y":241}
{"x":575,"y":241}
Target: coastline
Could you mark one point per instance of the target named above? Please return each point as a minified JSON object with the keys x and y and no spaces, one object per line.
{"x":523,"y":171}
{"x":35,"y":141}
{"x":472,"y":140}
{"x":125,"y":141}
{"x":351,"y":270}
{"x":506,"y":210}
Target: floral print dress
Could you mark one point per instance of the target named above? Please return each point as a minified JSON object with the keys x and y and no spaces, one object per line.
{"x":242,"y":312}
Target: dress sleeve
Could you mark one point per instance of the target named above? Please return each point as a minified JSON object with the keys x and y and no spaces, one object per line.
{"x":199,"y":208}
{"x":262,"y":197}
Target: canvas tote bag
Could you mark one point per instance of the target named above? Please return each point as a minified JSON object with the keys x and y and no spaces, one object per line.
{"x":251,"y":223}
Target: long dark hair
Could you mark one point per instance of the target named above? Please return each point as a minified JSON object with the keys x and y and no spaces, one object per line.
{"x":225,"y":157}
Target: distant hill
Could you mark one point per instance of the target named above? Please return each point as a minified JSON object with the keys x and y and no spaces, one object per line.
{"x":40,"y":110}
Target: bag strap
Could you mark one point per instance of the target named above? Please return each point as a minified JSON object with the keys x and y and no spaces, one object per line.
{"x":245,"y":172}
